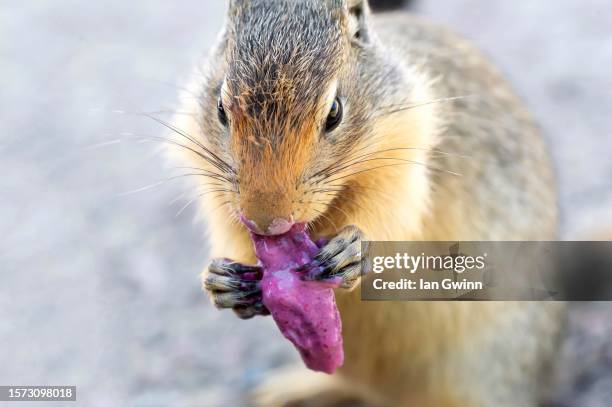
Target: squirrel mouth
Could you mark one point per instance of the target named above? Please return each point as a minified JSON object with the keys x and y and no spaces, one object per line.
{"x":278,"y":226}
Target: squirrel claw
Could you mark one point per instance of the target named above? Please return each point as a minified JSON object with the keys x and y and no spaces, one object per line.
{"x":235,"y":286}
{"x":339,"y":261}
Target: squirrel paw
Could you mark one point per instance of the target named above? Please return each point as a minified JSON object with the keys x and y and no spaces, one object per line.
{"x":236,"y":286}
{"x":338,"y":260}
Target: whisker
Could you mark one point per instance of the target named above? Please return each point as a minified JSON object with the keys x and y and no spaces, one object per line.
{"x":379,"y":191}
{"x":198,"y":196}
{"x":102,"y":144}
{"x":142,"y":189}
{"x":334,"y":167}
{"x":208,"y":174}
{"x":385,"y":159}
{"x":184,"y":207}
{"x":392,"y":165}
{"x":170,"y":111}
{"x":164,"y":181}
{"x":335,"y":189}
{"x":175,"y":86}
{"x":216,"y":160}
{"x":336,"y":207}
{"x":226,"y":203}
{"x":179,"y":197}
{"x":326,"y":217}
{"x":401,"y":108}
{"x":212,"y":157}
{"x":199,"y":154}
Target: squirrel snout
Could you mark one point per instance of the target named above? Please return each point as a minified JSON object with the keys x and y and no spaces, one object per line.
{"x":263,"y":226}
{"x":266,"y":205}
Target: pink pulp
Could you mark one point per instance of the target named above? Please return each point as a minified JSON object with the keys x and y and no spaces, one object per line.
{"x":304,"y":311}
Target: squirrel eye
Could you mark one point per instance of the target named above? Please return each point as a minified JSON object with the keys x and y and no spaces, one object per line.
{"x":335,"y":115}
{"x":221,"y":112}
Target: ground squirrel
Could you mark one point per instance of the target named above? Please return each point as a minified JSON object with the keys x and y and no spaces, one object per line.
{"x":377,"y":127}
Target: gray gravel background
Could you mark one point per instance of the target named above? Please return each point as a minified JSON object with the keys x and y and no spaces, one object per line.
{"x":100,"y":289}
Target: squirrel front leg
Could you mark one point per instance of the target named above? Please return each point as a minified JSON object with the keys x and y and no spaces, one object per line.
{"x":339,"y":259}
{"x":233,"y":284}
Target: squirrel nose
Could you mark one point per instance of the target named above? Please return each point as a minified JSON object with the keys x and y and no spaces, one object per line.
{"x":276,"y":226}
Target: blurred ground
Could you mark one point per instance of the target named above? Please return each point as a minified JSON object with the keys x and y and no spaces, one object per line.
{"x":101,"y":289}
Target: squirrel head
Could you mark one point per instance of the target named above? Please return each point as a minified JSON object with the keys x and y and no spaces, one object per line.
{"x":291,"y":91}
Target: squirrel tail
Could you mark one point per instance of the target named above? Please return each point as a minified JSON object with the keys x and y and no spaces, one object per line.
{"x":386,"y":5}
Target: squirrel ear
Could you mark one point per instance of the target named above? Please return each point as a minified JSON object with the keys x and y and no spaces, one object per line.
{"x":347,"y":4}
{"x":359,"y":10}
{"x":357,"y":3}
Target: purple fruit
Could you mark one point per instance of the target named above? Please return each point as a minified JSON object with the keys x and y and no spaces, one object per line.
{"x":305,"y":311}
